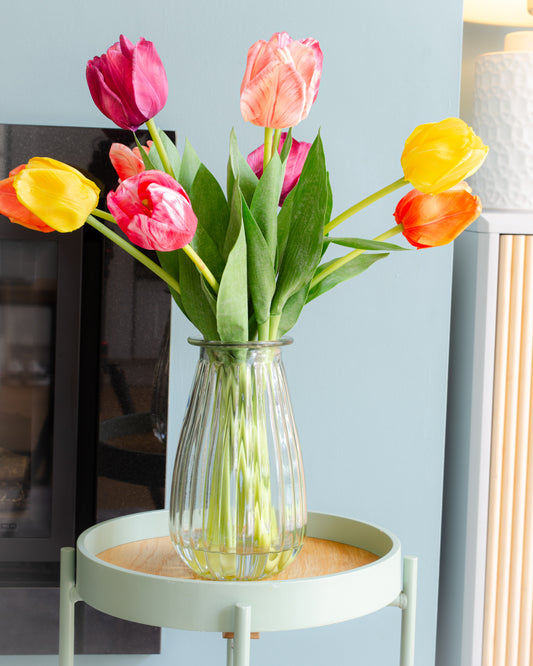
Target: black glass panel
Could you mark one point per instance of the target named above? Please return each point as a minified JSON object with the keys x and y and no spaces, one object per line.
{"x":28,"y":295}
{"x":83,"y":362}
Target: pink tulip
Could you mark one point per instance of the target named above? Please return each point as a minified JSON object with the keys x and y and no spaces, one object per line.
{"x":281,"y":81}
{"x":125,"y":161}
{"x":154,"y":211}
{"x":293,"y":169}
{"x":128,"y":83}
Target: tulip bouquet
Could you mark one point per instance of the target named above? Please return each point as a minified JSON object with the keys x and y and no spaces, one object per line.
{"x":242,"y":261}
{"x":242,"y":265}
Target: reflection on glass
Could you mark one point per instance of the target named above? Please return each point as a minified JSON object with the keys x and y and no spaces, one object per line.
{"x":28,"y":286}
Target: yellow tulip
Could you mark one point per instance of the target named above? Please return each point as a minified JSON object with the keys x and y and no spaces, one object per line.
{"x":56,"y":193}
{"x":437,"y":156}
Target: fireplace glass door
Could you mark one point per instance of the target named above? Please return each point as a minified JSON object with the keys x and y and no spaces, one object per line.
{"x":28,"y":290}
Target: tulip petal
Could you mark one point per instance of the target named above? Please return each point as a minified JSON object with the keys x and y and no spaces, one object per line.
{"x":276,"y":98}
{"x":154,"y":211}
{"x":125,"y":161}
{"x":431,"y":220}
{"x":150,"y":85}
{"x":58,"y":194}
{"x":128,"y":83}
{"x":281,"y":81}
{"x":293,"y":168}
{"x":11,"y":207}
{"x":436,"y":156}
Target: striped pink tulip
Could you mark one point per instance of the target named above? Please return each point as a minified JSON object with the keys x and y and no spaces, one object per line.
{"x":154,"y":211}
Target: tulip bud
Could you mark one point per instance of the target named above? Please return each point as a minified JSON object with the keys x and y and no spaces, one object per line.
{"x":437,"y":156}
{"x":429,"y":220}
{"x":154,"y":211}
{"x":125,"y":161}
{"x":281,"y":81}
{"x":128,"y":83}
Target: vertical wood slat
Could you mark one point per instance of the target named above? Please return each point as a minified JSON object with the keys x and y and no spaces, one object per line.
{"x":524,"y":496}
{"x":507,"y":613}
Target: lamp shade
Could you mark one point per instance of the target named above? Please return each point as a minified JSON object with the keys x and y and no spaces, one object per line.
{"x":498,"y":12}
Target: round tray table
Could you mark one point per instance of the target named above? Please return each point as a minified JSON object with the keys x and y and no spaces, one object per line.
{"x":127,"y":567}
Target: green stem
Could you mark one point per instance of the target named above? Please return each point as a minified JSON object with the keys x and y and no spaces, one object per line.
{"x":263,"y":330}
{"x":135,"y":253}
{"x":104,"y":215}
{"x":199,"y":263}
{"x":274,"y":325}
{"x":364,"y":203}
{"x":154,"y":133}
{"x":396,"y":229}
{"x":275,"y":142}
{"x":267,"y":151}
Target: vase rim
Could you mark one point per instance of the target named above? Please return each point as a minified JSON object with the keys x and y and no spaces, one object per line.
{"x":250,"y":344}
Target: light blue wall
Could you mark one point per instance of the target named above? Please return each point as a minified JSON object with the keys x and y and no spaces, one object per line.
{"x":368,"y":368}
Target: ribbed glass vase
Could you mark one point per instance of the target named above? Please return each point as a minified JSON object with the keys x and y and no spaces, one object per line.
{"x":237,"y":508}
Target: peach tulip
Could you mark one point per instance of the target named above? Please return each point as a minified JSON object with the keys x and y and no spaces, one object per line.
{"x":293,"y":169}
{"x":429,"y":220}
{"x":154,"y":211}
{"x":128,"y":83}
{"x":125,"y":161}
{"x":281,"y":81}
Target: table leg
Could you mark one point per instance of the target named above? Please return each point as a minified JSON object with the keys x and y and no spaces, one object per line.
{"x":67,"y":599}
{"x":241,"y":639}
{"x":408,"y":606}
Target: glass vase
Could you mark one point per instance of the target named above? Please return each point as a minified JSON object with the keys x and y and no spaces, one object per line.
{"x":237,"y":507}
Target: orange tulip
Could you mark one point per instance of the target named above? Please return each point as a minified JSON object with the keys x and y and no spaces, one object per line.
{"x":281,"y":81}
{"x":429,"y":220}
{"x":11,"y":207}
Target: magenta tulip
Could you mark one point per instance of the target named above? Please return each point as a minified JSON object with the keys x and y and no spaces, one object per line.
{"x":294,"y":166}
{"x":128,"y":83}
{"x":281,"y":81}
{"x":154,"y":211}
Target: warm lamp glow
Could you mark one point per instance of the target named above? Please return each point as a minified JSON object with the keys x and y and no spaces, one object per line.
{"x":499,"y":12}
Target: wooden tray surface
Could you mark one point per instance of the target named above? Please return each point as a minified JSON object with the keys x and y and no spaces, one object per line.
{"x":318,"y":557}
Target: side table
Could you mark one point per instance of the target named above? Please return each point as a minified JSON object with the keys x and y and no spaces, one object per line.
{"x":127,"y":567}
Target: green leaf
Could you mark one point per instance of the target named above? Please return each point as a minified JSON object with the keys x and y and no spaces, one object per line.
{"x":264,"y":207}
{"x":232,"y":299}
{"x":329,"y":208}
{"x":239,"y":169}
{"x":305,"y":238}
{"x":284,"y":225}
{"x":190,"y":163}
{"x":364,"y":244}
{"x":292,"y":310}
{"x":287,"y":145}
{"x":172,"y":154}
{"x":354,"y":267}
{"x":196,"y":304}
{"x":261,"y":274}
{"x":155,"y":159}
{"x":211,"y":208}
{"x":147,"y":160}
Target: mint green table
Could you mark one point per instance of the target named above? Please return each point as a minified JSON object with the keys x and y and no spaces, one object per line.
{"x":126,"y":567}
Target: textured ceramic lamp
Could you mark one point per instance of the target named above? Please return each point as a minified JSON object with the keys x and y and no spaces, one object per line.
{"x":503,"y":98}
